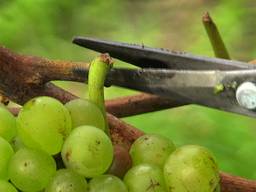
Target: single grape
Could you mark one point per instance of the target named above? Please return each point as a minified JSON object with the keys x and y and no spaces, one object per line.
{"x":7,"y":187}
{"x":151,"y":149}
{"x":31,"y":170}
{"x":107,"y":183}
{"x":191,"y":168}
{"x":145,"y":178}
{"x":121,"y":163}
{"x":44,"y":123}
{"x":88,"y":151}
{"x":7,"y":124}
{"x":67,"y":180}
{"x":6,"y":152}
{"x":84,"y":112}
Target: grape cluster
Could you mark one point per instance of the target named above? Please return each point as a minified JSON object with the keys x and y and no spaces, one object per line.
{"x":51,"y":147}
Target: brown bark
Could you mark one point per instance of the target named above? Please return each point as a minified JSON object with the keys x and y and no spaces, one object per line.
{"x":23,"y":77}
{"x":230,"y":183}
{"x":139,"y":104}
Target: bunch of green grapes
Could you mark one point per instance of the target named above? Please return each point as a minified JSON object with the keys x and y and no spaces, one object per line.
{"x":156,"y":160}
{"x":73,"y":136}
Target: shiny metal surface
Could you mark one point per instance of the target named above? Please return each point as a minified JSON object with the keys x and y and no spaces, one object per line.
{"x":146,"y":57}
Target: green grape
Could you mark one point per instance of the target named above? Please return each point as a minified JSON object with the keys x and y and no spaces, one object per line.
{"x":17,"y":143}
{"x":84,"y":112}
{"x":44,"y":123}
{"x":7,"y":124}
{"x":88,"y":151}
{"x":151,"y":149}
{"x":107,"y":183}
{"x":6,"y":152}
{"x":7,"y":187}
{"x":145,"y":178}
{"x":31,"y":170}
{"x":191,"y":168}
{"x":67,"y":180}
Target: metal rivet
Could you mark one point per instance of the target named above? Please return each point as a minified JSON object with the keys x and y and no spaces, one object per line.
{"x":246,"y":95}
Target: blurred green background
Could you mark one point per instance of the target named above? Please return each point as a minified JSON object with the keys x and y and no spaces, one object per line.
{"x":45,"y":28}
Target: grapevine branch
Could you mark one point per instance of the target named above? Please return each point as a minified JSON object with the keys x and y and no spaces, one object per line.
{"x":139,"y":104}
{"x":24,"y":77}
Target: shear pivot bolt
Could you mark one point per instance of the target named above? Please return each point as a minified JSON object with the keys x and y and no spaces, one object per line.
{"x":246,"y":95}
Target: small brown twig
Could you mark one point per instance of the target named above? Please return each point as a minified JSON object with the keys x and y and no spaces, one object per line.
{"x":215,"y":37}
{"x":231,"y":183}
{"x":139,"y":104}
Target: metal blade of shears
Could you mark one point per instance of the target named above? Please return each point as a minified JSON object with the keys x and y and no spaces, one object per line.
{"x":146,"y":57}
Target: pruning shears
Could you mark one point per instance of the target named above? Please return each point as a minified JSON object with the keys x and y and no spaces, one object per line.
{"x":227,"y":85}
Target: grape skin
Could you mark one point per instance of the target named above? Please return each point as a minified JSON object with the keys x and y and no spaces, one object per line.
{"x":17,"y":143}
{"x":145,"y":178}
{"x":7,"y":124}
{"x":67,"y":180}
{"x":152,"y":149}
{"x":191,"y":168}
{"x":31,"y":170}
{"x":7,"y":187}
{"x":107,"y":183}
{"x":88,"y":151}
{"x":44,"y":123}
{"x":84,"y":112}
{"x":6,"y":152}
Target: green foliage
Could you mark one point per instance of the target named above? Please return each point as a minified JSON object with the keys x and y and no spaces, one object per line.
{"x":46,"y":27}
